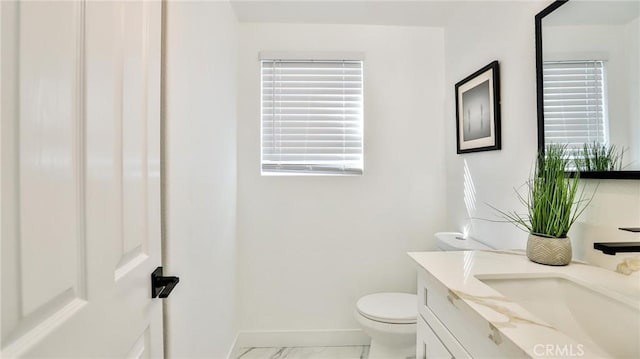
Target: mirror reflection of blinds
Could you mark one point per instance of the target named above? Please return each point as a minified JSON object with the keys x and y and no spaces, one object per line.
{"x":574,"y":103}
{"x":312,"y":116}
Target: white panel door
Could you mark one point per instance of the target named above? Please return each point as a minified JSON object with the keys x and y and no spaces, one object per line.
{"x":80,"y":151}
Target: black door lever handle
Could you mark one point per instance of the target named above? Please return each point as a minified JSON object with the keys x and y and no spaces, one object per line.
{"x":162,"y":286}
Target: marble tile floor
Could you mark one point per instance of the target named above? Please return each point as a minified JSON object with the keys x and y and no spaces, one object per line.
{"x":340,"y":352}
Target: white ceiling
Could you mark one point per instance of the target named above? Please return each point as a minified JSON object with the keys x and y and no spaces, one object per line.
{"x":433,"y":13}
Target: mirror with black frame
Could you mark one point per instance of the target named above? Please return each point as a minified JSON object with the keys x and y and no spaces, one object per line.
{"x":588,"y":78}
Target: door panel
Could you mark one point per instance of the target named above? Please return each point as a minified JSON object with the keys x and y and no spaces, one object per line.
{"x":50,"y":222}
{"x":80,"y":179}
{"x":134,"y":140}
{"x":45,"y":204}
{"x":140,"y":349}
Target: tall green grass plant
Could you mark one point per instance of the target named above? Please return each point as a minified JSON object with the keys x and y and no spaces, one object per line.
{"x":554,"y":201}
{"x":599,"y":157}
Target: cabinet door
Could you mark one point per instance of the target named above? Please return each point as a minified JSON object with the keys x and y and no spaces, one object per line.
{"x":80,"y":185}
{"x":429,"y":346}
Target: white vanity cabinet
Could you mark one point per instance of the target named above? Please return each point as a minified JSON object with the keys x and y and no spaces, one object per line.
{"x":463,"y":314}
{"x":447,"y":327}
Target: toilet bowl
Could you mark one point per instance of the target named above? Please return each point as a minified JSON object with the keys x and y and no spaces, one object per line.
{"x":390,"y":320}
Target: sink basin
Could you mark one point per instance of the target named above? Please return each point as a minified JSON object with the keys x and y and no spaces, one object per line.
{"x":596,"y":318}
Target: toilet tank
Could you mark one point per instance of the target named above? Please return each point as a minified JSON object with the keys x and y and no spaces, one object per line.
{"x":456,"y":241}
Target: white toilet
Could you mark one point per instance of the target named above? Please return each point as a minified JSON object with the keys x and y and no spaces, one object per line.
{"x":390,"y":320}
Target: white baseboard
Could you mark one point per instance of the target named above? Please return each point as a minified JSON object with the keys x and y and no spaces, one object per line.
{"x":299,"y":338}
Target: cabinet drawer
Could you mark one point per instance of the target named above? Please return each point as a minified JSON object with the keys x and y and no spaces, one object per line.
{"x":454,"y":348}
{"x":477,"y":336}
{"x":429,"y":345}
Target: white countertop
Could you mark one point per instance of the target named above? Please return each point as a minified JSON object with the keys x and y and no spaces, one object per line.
{"x":459,"y":271}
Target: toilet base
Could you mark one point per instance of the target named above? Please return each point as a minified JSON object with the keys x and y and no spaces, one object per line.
{"x":381,"y":351}
{"x":394,"y":338}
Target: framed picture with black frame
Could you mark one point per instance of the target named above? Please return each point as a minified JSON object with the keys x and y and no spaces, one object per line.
{"x":478,"y":111}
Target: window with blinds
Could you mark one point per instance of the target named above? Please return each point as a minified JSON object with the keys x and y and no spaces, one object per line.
{"x":312,"y":116}
{"x":574,"y":103}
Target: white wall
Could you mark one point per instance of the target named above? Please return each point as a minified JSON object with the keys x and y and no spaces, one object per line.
{"x":201,"y":177}
{"x":505,"y":32}
{"x":309,"y":247}
{"x":471,"y":41}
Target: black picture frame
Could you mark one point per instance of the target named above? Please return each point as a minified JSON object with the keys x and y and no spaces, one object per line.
{"x":473,"y":92}
{"x":539,"y":63}
{"x":617,"y":175}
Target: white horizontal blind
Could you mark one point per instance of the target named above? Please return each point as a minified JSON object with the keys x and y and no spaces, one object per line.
{"x":312,"y":116}
{"x":574,"y":103}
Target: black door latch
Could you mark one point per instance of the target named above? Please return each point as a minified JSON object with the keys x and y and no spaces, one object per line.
{"x":162,"y":286}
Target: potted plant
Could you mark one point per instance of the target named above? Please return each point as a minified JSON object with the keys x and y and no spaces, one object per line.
{"x":554,"y":202}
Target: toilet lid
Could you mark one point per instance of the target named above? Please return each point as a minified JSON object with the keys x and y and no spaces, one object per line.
{"x":395,"y":308}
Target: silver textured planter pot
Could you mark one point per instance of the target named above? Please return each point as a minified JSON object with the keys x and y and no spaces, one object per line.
{"x":549,"y":251}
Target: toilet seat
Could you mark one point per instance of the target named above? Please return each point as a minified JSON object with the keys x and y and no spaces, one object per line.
{"x":391,"y":308}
